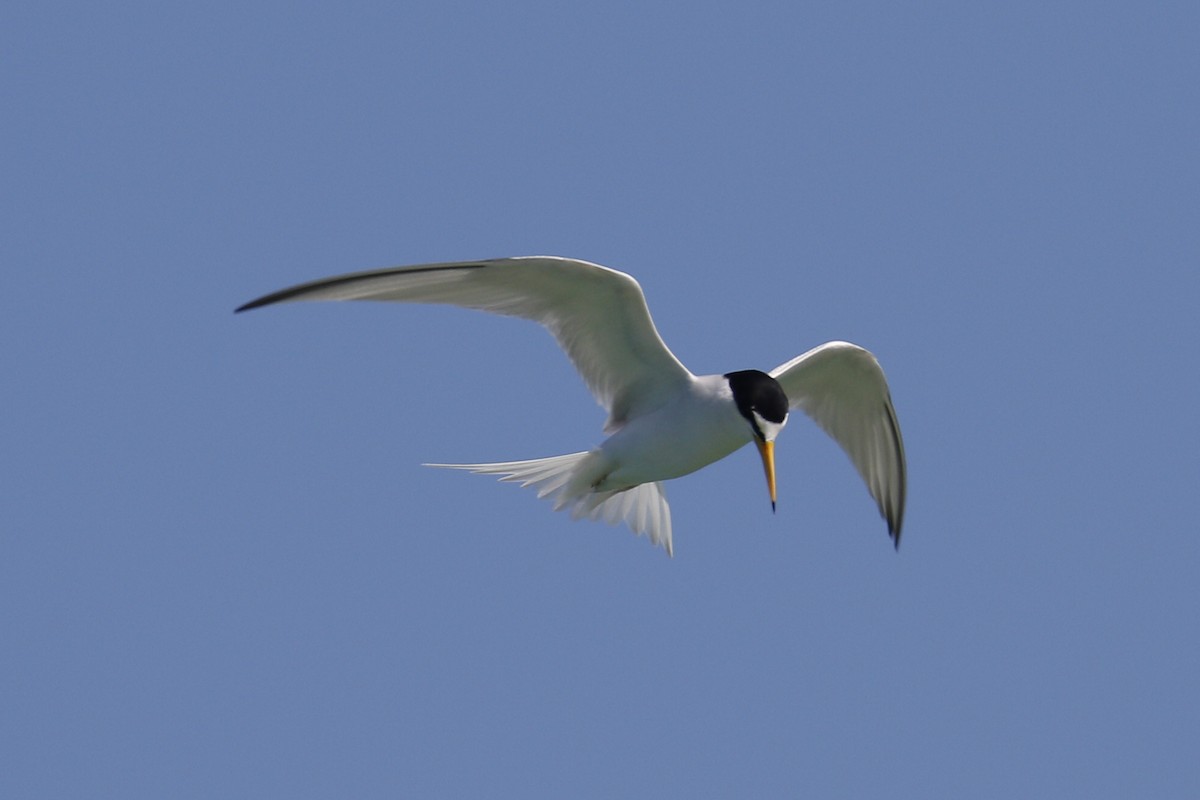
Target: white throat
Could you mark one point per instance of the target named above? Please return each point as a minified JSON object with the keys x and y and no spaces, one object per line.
{"x":769,"y":429}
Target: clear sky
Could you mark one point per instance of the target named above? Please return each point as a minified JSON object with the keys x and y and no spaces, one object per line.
{"x":224,"y":573}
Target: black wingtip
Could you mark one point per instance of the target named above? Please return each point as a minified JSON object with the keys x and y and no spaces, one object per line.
{"x":305,"y":291}
{"x":248,"y":306}
{"x":266,"y":300}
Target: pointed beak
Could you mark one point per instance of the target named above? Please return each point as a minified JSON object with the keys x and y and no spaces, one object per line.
{"x":767,"y":451}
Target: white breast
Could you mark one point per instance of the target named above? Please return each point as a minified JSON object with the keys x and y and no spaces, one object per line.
{"x":701,"y":426}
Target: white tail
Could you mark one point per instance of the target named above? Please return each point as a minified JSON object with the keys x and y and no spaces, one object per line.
{"x":643,"y":508}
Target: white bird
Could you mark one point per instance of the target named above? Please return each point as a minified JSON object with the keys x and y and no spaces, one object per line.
{"x":663,"y":421}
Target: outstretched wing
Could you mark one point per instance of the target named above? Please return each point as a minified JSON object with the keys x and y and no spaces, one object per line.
{"x":598,"y":316}
{"x":842,"y":388}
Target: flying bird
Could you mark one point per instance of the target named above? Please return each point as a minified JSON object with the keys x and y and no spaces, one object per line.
{"x":663,"y":421}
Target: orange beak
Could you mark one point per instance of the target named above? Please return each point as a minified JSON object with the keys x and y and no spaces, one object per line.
{"x":767,"y":451}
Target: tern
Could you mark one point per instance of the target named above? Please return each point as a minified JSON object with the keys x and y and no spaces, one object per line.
{"x":663,"y":421}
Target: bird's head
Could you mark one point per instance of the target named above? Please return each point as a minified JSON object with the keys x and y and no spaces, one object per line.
{"x":764,"y":405}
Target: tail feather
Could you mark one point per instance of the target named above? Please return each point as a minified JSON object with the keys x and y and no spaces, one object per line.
{"x":643,"y":508}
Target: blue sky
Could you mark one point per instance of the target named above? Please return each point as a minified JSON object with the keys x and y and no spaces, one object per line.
{"x":223,"y":572}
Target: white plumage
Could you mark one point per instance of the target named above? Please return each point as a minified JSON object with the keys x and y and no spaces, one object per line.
{"x":663,"y":421}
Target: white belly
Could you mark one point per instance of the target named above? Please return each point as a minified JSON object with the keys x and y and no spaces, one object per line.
{"x":703,"y":426}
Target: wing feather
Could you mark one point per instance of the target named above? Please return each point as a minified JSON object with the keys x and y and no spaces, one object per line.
{"x":598,"y":316}
{"x":842,"y":388}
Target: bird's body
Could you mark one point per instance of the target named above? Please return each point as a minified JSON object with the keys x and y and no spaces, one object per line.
{"x":635,"y":452}
{"x":664,"y":422}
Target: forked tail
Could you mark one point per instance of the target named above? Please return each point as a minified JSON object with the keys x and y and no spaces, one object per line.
{"x":560,"y":478}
